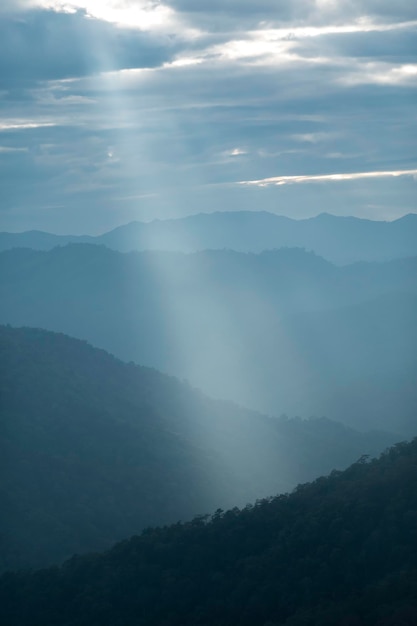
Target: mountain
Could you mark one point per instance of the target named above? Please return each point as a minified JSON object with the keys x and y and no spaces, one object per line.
{"x":342,"y":240}
{"x":341,"y":551}
{"x":282,"y":331}
{"x":93,"y":449}
{"x":39,"y":240}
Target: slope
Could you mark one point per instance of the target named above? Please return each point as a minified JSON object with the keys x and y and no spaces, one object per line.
{"x":341,"y":551}
{"x":93,"y":449}
{"x":283,"y":331}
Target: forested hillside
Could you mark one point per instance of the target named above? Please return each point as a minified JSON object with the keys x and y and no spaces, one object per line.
{"x":341,"y":551}
{"x":93,"y":450}
{"x":282,"y":332}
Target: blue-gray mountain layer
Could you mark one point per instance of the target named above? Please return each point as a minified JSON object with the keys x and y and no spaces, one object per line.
{"x":341,"y":240}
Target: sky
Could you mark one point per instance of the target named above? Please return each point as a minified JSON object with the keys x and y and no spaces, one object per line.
{"x":121,"y":110}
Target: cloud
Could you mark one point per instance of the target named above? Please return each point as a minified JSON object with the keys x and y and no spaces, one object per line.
{"x":11,"y":150}
{"x":44,"y":45}
{"x":22,"y":124}
{"x":222,"y":15}
{"x":381,"y":74}
{"x":190,"y":18}
{"x":284,"y":180}
{"x":236,"y":152}
{"x":143,"y":15}
{"x":315,"y":137}
{"x":111,"y":122}
{"x":15,"y":6}
{"x":391,"y":42}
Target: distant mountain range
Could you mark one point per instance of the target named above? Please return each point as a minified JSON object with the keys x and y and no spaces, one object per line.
{"x":93,"y":450}
{"x":341,"y":240}
{"x":283,"y":331}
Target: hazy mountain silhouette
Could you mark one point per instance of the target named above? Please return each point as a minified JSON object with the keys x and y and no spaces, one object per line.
{"x":282,"y":331}
{"x":341,"y":240}
{"x":341,"y":551}
{"x":39,"y":240}
{"x":93,"y":449}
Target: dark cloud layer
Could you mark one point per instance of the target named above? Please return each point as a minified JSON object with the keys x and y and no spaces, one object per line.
{"x":44,"y":45}
{"x":395,"y":46}
{"x":235,"y":13}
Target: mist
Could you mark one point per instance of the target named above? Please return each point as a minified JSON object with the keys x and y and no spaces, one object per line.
{"x":283,"y":332}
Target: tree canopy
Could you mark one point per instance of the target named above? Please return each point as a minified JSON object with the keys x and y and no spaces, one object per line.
{"x":341,"y":551}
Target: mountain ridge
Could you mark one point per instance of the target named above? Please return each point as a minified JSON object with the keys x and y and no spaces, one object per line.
{"x":257,"y":329}
{"x":340,"y":239}
{"x":93,"y":449}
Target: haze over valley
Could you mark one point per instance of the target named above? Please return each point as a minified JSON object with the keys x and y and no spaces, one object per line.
{"x":282,"y":331}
